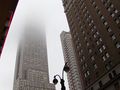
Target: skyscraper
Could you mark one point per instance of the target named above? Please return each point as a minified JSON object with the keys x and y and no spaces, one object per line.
{"x":95,"y":29}
{"x":31,"y":71}
{"x":7,"y":8}
{"x":69,"y":57}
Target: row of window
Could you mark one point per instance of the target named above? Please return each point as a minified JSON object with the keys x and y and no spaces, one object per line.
{"x":65,"y":2}
{"x":102,"y":17}
{"x":106,"y":23}
{"x":111,"y":76}
{"x":90,"y":24}
{"x":109,"y":65}
{"x":110,"y":7}
{"x":101,"y":49}
{"x":106,"y":56}
{"x":87,"y":73}
{"x":112,"y":10}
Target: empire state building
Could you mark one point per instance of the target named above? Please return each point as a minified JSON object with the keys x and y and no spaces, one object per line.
{"x":31,"y":71}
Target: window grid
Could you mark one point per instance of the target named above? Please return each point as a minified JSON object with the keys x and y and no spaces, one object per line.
{"x":112,"y":10}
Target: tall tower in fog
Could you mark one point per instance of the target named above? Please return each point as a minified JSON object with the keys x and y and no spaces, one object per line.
{"x":31,"y":72}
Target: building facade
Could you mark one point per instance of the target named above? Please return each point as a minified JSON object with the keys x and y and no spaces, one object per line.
{"x":69,"y":57}
{"x":31,"y":71}
{"x":95,"y":29}
{"x":7,"y":8}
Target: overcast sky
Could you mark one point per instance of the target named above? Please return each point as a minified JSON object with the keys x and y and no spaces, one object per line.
{"x":47,"y":13}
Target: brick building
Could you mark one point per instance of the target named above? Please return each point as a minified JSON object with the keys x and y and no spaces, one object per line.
{"x":95,"y":29}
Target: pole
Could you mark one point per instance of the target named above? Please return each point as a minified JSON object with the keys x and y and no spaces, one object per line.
{"x":62,"y":84}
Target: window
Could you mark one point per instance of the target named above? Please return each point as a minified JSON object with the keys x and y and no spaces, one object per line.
{"x":100,"y":50}
{"x":116,"y":11}
{"x":117,"y":86}
{"x":91,"y":88}
{"x":100,"y":39}
{"x":109,"y":29}
{"x":83,"y":67}
{"x":81,"y":60}
{"x":108,"y":9}
{"x":104,"y":59}
{"x":113,"y":37}
{"x":85,"y":64}
{"x":107,"y":55}
{"x":77,"y":47}
{"x":87,"y":19}
{"x":118,"y":45}
{"x":108,"y":1}
{"x":83,"y":57}
{"x":92,"y":21}
{"x":102,"y":17}
{"x":81,"y":51}
{"x":89,"y":16}
{"x":92,"y":58}
{"x":25,"y":74}
{"x":85,"y":38}
{"x":96,"y":7}
{"x":93,"y":3}
{"x":98,"y":12}
{"x":105,"y":4}
{"x":110,"y":76}
{"x":95,"y":36}
{"x":112,"y":14}
{"x":85,"y":75}
{"x":105,"y":23}
{"x":83,"y":32}
{"x":90,"y":50}
{"x":81,"y":27}
{"x":84,"y":10}
{"x":100,"y":84}
{"x":108,"y":65}
{"x":88,"y":44}
{"x":97,"y":33}
{"x":88,"y":73}
{"x":114,"y":72}
{"x":90,"y":24}
{"x":97,"y":42}
{"x":97,"y":74}
{"x":117,"y":21}
{"x":102,"y":0}
{"x":87,"y":12}
{"x":111,"y":5}
{"x":80,"y":44}
{"x":95,"y":66}
{"x":104,"y":47}
{"x":94,"y":27}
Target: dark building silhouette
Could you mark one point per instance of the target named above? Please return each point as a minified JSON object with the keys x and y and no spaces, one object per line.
{"x":7,"y":8}
{"x":95,"y":31}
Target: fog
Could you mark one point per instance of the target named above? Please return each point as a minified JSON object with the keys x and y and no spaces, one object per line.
{"x":34,"y":15}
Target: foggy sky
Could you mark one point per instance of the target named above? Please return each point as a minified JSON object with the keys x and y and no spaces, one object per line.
{"x":49,"y":15}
